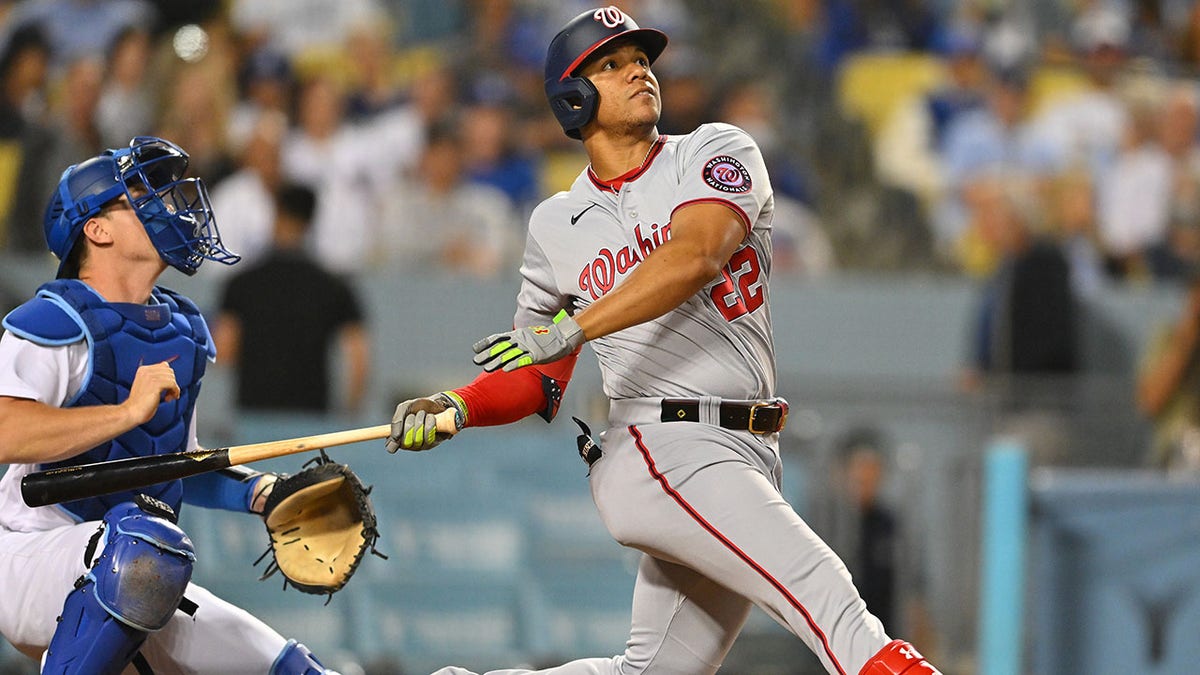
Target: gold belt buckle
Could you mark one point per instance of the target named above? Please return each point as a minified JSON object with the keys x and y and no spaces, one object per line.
{"x":753,"y":416}
{"x":783,"y":411}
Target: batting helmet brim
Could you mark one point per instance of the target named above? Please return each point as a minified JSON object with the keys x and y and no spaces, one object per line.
{"x":652,"y":41}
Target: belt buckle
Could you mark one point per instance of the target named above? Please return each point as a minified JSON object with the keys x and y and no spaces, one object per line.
{"x":753,"y":416}
{"x":783,"y":412}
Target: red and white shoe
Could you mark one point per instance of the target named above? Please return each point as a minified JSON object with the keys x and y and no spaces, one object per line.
{"x":897,"y":658}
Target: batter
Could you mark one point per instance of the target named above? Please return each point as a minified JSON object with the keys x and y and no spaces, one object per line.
{"x":659,"y":256}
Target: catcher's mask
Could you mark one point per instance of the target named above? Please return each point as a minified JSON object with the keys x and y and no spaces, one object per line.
{"x":149,"y":173}
{"x":573,"y":99}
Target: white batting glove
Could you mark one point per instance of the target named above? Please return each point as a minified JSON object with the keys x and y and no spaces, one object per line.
{"x":527,"y":346}
{"x":414,"y":426}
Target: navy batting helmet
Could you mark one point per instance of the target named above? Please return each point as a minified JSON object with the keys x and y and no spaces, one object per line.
{"x":573,"y":99}
{"x":173,"y":209}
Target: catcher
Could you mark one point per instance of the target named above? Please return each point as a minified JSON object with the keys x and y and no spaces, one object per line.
{"x":104,"y":364}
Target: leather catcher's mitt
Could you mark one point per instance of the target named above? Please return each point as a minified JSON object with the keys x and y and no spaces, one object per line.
{"x":320,"y":523}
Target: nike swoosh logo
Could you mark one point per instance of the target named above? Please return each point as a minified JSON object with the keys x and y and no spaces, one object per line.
{"x":141,"y":360}
{"x":575,"y":218}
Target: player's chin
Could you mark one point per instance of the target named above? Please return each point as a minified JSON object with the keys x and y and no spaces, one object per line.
{"x":647,"y":110}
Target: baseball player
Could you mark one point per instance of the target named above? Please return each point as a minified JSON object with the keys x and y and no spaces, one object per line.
{"x":659,"y":256}
{"x":103,"y":364}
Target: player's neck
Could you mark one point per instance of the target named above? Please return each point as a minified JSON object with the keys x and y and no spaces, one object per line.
{"x":612,"y":156}
{"x":132,"y":284}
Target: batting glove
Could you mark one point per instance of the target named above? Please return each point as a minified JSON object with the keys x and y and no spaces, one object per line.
{"x":527,"y":346}
{"x":414,"y":426}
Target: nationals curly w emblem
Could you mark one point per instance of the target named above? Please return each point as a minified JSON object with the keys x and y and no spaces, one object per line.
{"x":726,"y":174}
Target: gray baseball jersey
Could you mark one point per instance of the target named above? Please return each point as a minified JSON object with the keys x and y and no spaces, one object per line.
{"x":584,"y":242}
{"x":702,"y":501}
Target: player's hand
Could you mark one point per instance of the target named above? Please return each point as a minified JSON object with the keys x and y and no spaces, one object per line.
{"x":527,"y":346}
{"x":414,"y":426}
{"x":262,"y":489}
{"x":152,"y":385}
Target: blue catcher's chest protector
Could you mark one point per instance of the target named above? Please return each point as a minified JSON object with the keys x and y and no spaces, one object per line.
{"x":122,"y":337}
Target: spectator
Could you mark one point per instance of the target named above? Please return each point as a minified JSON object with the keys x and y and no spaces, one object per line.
{"x":996,"y":140}
{"x":371,"y":58}
{"x":339,"y":163}
{"x":1025,"y":330}
{"x":691,"y":98}
{"x":438,"y":221}
{"x":246,"y":198}
{"x":753,"y":106}
{"x":1186,"y":47}
{"x":126,"y":107}
{"x":493,"y":157}
{"x":1134,"y":191}
{"x":267,"y":86}
{"x":1071,"y":208}
{"x":201,"y":96}
{"x":1174,"y":258}
{"x":908,"y":150}
{"x":1026,"y":319}
{"x":1088,"y":127}
{"x":882,"y":25}
{"x":1168,"y":387}
{"x":280,"y":318}
{"x":73,"y":120}
{"x":870,"y":544}
{"x":24,"y":138}
{"x":399,"y":133}
{"x":321,"y":26}
{"x":64,"y":20}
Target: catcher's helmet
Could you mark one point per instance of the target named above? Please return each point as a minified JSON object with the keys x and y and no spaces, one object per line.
{"x":573,"y":99}
{"x":174,"y":210}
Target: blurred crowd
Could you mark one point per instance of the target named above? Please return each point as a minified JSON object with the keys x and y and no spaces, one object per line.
{"x":918,"y":135}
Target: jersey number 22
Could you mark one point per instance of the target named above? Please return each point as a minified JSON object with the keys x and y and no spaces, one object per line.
{"x":739,"y":292}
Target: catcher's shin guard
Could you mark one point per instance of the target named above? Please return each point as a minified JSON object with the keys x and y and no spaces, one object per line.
{"x":296,"y":659}
{"x":132,"y":589}
{"x":89,"y":639}
{"x":896,"y":658}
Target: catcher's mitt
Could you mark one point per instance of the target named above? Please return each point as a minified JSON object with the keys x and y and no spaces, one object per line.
{"x":321,"y":523}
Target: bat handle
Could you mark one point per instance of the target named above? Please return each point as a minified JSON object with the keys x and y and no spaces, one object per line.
{"x":447,"y":422}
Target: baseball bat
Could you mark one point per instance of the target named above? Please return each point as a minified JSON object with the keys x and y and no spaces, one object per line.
{"x":69,"y":483}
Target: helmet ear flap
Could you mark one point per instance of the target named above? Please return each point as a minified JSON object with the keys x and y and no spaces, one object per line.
{"x":573,"y":101}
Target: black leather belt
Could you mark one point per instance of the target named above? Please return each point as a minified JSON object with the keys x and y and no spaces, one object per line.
{"x":765,"y":417}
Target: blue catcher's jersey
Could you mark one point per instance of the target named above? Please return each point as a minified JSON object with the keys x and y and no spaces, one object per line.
{"x":122,"y":337}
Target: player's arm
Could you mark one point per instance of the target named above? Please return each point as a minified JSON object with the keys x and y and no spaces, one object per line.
{"x":227,"y":335}
{"x":492,"y":399}
{"x":1162,"y":377}
{"x":704,"y":235}
{"x":34,"y":432}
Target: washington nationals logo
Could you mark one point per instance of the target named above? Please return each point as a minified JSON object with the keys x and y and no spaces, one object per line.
{"x":726,"y":174}
{"x":610,"y":16}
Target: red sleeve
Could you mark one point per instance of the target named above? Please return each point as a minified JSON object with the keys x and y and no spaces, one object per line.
{"x":504,"y":397}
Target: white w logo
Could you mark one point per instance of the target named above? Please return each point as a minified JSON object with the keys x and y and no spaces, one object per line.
{"x":610,"y":16}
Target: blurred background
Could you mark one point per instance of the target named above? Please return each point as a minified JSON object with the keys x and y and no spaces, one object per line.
{"x":985,"y":300}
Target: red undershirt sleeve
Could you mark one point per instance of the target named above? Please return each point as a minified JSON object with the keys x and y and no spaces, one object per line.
{"x":504,"y":397}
